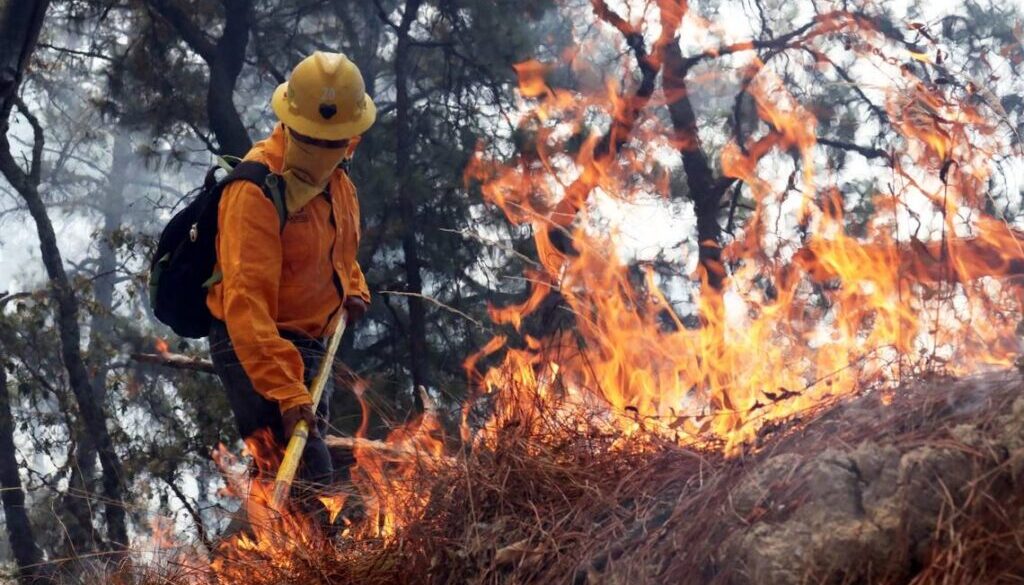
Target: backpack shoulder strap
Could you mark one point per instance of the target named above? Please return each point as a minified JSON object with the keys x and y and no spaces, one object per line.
{"x":268,"y":182}
{"x":254,"y":172}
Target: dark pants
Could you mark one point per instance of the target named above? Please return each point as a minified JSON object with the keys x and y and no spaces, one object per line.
{"x":254,"y":412}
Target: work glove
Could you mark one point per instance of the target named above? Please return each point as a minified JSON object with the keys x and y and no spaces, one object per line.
{"x":293,"y":415}
{"x":356,"y":308}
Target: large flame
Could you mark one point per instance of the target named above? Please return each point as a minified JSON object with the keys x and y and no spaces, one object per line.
{"x":390,"y":476}
{"x":808,"y":311}
{"x":275,"y":539}
{"x":280,"y":541}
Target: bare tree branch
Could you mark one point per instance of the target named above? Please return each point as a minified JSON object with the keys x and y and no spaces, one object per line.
{"x":622,"y":124}
{"x":197,"y":519}
{"x":175,"y":361}
{"x":193,"y":36}
{"x":865,"y":151}
{"x":38,"y":141}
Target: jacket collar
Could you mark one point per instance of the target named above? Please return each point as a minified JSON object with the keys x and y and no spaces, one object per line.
{"x":270,"y":151}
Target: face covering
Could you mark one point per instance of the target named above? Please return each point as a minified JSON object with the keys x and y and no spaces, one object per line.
{"x":306,"y":171}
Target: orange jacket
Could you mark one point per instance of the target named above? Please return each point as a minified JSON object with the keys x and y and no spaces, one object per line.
{"x":275,"y":280}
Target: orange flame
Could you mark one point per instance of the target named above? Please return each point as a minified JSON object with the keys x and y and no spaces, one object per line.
{"x":334,"y":504}
{"x":807,"y":313}
{"x":389,"y":478}
{"x":809,"y":310}
{"x":277,"y":538}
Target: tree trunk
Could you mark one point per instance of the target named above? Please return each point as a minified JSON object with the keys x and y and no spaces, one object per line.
{"x":229,"y":57}
{"x":92,"y":411}
{"x":20,"y":23}
{"x":405,"y":140}
{"x":706,"y":193}
{"x":82,"y":480}
{"x":76,"y":509}
{"x":106,"y":266}
{"x":19,"y":529}
{"x":225,"y":59}
{"x":704,"y":190}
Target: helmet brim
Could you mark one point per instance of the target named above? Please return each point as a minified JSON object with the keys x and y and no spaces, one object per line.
{"x":322,"y":130}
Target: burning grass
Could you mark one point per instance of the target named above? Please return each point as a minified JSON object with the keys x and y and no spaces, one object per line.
{"x":775,"y":443}
{"x":920,"y":486}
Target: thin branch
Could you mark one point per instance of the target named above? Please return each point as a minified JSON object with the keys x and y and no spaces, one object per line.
{"x":193,"y":36}
{"x":205,"y":139}
{"x":865,"y":151}
{"x":606,"y":14}
{"x":748,"y":76}
{"x":6,"y":297}
{"x":175,"y":361}
{"x":435,"y":301}
{"x":78,"y":53}
{"x":737,"y":190}
{"x":38,"y":141}
{"x":829,"y":22}
{"x":197,"y":519}
{"x":622,"y":123}
{"x":470,"y":235}
{"x":765,"y":27}
{"x":264,"y":61}
{"x":875,"y":109}
{"x":383,"y":15}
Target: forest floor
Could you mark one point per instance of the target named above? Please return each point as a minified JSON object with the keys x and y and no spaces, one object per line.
{"x":921,"y":485}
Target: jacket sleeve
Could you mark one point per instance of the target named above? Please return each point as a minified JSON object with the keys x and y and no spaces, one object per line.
{"x":249,"y":254}
{"x":356,"y":280}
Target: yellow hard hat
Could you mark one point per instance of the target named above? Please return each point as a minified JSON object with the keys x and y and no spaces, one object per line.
{"x":325,"y":98}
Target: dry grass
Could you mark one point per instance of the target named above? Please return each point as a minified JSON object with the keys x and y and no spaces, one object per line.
{"x":583,"y":509}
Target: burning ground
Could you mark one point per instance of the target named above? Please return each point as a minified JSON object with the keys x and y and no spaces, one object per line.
{"x":840,"y":405}
{"x":920,"y":486}
{"x":924,"y":489}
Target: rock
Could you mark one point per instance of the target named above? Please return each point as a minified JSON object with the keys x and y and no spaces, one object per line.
{"x":827,"y":526}
{"x":867,"y":511}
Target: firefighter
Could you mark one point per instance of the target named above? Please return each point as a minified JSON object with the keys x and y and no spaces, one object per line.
{"x":283,"y":289}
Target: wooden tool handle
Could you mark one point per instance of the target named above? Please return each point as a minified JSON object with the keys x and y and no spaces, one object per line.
{"x":297,"y":442}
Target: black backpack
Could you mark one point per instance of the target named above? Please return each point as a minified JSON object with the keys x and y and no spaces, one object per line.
{"x":182,"y":267}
